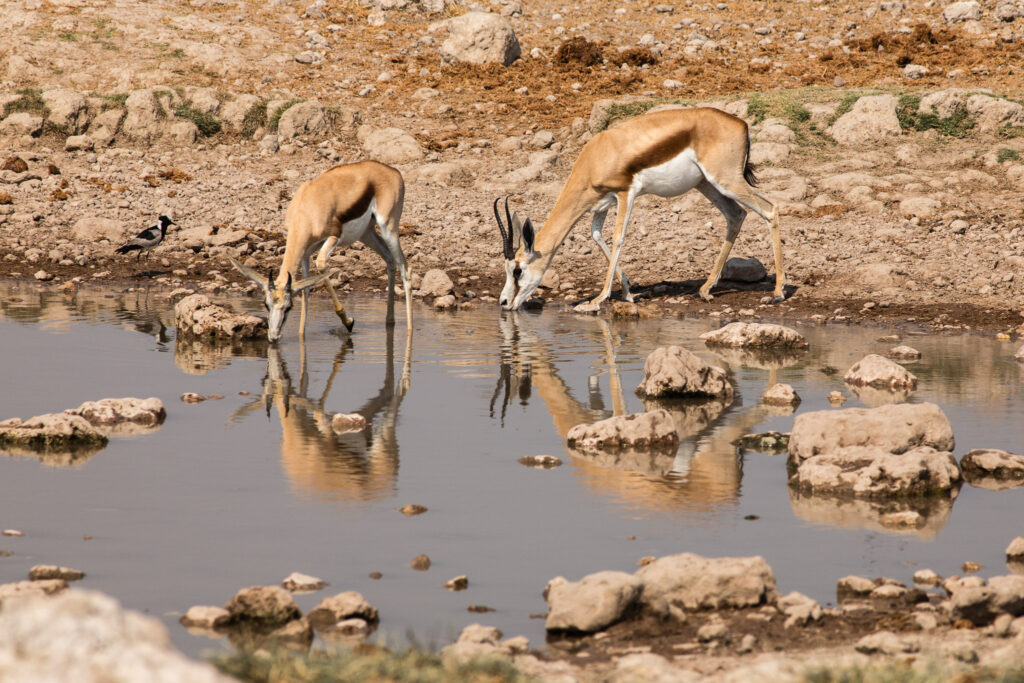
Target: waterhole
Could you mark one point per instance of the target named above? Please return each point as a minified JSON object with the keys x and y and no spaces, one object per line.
{"x":246,"y":489}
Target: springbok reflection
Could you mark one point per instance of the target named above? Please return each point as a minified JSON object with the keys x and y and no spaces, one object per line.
{"x":352,"y":466}
{"x":704,"y":472}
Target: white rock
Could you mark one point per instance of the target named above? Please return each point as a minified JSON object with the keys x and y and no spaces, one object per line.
{"x":672,"y":371}
{"x":880,"y":372}
{"x":990,"y":463}
{"x":304,"y":118}
{"x":87,"y":637}
{"x":479,"y":38}
{"x":873,"y":472}
{"x":885,"y":642}
{"x":872,"y":120}
{"x":962,"y":11}
{"x":392,"y":146}
{"x":21,"y":123}
{"x":67,"y":110}
{"x":592,"y":603}
{"x":1015,"y":550}
{"x":903,"y":352}
{"x":206,"y":617}
{"x":436,"y":283}
{"x":692,"y":582}
{"x":342,"y":606}
{"x":655,"y":430}
{"x":759,"y":335}
{"x":781,"y":394}
{"x":896,"y":429}
{"x":296,"y":582}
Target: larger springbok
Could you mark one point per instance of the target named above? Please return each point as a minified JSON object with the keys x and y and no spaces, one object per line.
{"x":666,"y":153}
{"x":360,"y":202}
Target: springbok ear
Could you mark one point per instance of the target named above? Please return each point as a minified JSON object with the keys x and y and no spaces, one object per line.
{"x":252,"y":274}
{"x":528,"y":236}
{"x":309,"y":282}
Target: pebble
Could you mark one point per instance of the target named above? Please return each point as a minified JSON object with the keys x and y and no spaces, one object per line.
{"x":13,"y":532}
{"x":420,"y":563}
{"x":412,"y":509}
{"x":459,"y":583}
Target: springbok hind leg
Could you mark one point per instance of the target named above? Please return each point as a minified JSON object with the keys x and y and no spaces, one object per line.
{"x":769,"y":211}
{"x":734,"y":215}
{"x":595,"y":233}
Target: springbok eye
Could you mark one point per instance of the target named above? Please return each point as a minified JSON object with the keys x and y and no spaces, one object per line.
{"x":516,"y":272}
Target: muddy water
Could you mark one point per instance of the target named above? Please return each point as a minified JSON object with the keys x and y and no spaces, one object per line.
{"x":249,"y":488}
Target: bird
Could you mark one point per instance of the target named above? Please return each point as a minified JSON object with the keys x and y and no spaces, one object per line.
{"x":148,"y":238}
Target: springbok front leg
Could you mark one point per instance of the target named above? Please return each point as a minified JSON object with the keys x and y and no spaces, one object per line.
{"x":595,"y":232}
{"x":625,"y":208}
{"x":321,"y":265}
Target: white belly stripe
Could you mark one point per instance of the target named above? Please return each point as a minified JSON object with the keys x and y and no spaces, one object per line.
{"x":352,"y":230}
{"x":679,"y":174}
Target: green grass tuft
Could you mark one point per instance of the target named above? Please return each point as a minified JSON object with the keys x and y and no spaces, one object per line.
{"x":780,"y":105}
{"x":410,"y":666}
{"x":958,"y":125}
{"x":1006,"y":154}
{"x":254,"y":118}
{"x":1007,"y":131}
{"x":275,"y":118}
{"x":627,"y":110}
{"x":30,"y":100}
{"x":206,"y":124}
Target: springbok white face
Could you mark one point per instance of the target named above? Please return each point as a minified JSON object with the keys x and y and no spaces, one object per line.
{"x":278,"y":300}
{"x":523,"y":272}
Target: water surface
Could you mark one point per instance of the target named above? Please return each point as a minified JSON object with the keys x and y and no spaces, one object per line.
{"x":244,"y":490}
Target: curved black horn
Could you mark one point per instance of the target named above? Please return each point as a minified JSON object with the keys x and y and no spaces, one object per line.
{"x":504,"y":235}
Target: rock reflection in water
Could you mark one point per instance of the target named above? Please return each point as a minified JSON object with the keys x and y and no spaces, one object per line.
{"x":874,"y":397}
{"x":763,"y":359}
{"x":354,"y":466}
{"x":919,"y":516}
{"x":704,"y":471}
{"x":75,"y":456}
{"x":195,"y":357}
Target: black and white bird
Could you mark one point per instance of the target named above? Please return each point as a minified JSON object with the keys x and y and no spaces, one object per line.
{"x":148,"y":238}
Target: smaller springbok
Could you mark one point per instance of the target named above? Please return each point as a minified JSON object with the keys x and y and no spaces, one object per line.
{"x":360,"y":202}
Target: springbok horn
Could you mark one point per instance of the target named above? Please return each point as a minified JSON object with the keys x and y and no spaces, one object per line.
{"x":310,"y":282}
{"x":252,"y":274}
{"x":513,"y":233}
{"x":505,"y":241}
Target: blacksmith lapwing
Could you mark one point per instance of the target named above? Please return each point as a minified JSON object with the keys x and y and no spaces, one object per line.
{"x":148,"y":238}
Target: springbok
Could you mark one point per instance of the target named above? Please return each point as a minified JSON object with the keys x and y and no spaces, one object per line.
{"x":360,"y":202}
{"x":666,"y":153}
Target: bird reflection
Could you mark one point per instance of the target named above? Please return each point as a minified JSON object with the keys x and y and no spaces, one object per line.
{"x":324,"y":465}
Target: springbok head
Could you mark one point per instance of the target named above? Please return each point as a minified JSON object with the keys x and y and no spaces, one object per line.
{"x":522,"y":272}
{"x":278,"y":300}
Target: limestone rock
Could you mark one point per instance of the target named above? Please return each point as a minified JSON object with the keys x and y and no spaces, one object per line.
{"x":263,"y":605}
{"x":343,"y":423}
{"x":144,"y":116}
{"x":1007,"y":469}
{"x":343,"y":606}
{"x":196,"y":317}
{"x":854,"y":587}
{"x":903,"y":352}
{"x":885,"y":642}
{"x":744,"y":269}
{"x":781,"y":394}
{"x":871,"y":121}
{"x":93,"y":229}
{"x":297,"y":582}
{"x":982,"y":604}
{"x":652,"y":430}
{"x":391,"y":146}
{"x":1015,"y":551}
{"x":895,"y":429}
{"x":672,"y":371}
{"x":756,"y":335}
{"x":962,"y":11}
{"x":480,"y":38}
{"x":799,"y":609}
{"x":592,"y":603}
{"x":475,"y":641}
{"x":21,"y":589}
{"x":304,"y":118}
{"x":42,"y":572}
{"x":78,"y":143}
{"x":68,"y":112}
{"x":87,"y":637}
{"x":869,"y":471}
{"x":235,"y":112}
{"x":109,"y":413}
{"x":691,"y":582}
{"x":50,"y":432}
{"x":880,"y":372}
{"x":436,"y":283}
{"x":206,"y":617}
{"x":21,"y":123}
